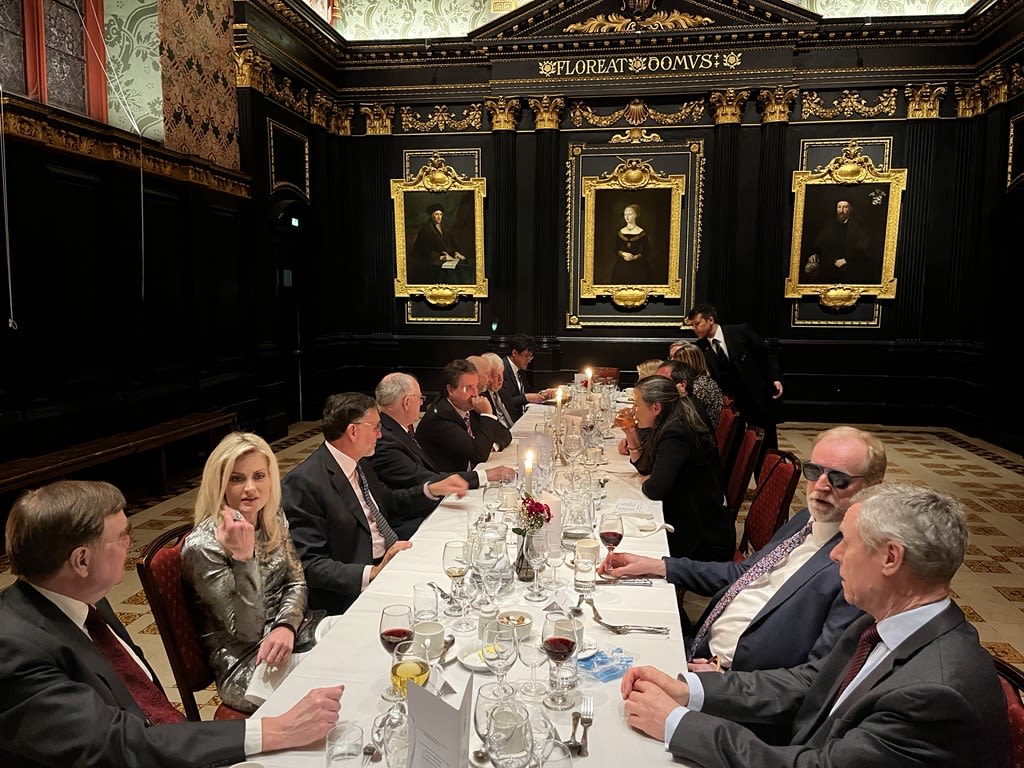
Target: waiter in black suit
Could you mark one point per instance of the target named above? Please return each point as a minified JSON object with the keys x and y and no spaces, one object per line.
{"x":744,"y":367}
{"x":514,"y":385}
{"x":76,"y":689}
{"x":400,"y":461}
{"x":459,"y":430}
{"x":338,"y":510}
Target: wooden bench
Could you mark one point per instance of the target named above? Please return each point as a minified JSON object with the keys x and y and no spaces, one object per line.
{"x":34,"y":471}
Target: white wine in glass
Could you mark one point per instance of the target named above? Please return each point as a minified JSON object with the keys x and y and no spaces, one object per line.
{"x":409,"y":663}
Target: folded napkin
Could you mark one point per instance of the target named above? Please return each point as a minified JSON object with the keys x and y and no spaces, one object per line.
{"x":634,"y":525}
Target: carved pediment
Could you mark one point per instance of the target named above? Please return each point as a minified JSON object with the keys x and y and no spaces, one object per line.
{"x":562,"y":18}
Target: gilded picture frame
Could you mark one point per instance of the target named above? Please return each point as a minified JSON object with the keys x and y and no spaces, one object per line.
{"x":845,"y":228}
{"x":630,"y":268}
{"x":439,"y":234}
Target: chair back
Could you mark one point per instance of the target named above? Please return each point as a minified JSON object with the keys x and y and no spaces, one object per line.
{"x":174,"y":610}
{"x":605,"y":374}
{"x":743,"y":468}
{"x":1012,"y":681}
{"x":726,"y":434}
{"x":769,"y":510}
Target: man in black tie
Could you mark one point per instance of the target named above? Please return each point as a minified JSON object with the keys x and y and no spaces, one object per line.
{"x":515,"y":389}
{"x":400,"y":461}
{"x":908,"y":684}
{"x":745,"y":368}
{"x":459,"y":430}
{"x":75,"y":686}
{"x":338,"y":511}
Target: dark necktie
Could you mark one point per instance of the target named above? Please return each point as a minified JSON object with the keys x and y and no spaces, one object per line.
{"x":412,"y":435}
{"x":522,"y":381}
{"x":383,"y":526}
{"x":469,"y":429}
{"x":147,"y":694}
{"x":723,"y":359}
{"x":766,"y":564}
{"x":869,"y":638}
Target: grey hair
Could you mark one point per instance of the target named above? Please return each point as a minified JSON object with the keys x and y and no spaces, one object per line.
{"x":931,"y":526}
{"x":494,"y":359}
{"x":393,"y":387}
{"x":877,"y":462}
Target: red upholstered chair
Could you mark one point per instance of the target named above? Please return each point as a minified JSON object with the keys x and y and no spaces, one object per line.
{"x":726,"y":434}
{"x":160,"y":573}
{"x":743,"y":468}
{"x":769,"y":510}
{"x":1012,"y":680}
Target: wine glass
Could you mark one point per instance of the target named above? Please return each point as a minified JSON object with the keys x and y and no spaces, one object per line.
{"x":487,"y":551}
{"x":555,"y":755}
{"x":535,"y":549}
{"x":455,"y":561}
{"x":559,"y":642}
{"x":488,"y":697}
{"x":409,"y":663}
{"x":574,"y":446}
{"x":609,"y":530}
{"x":509,"y":736}
{"x":392,"y":736}
{"x":492,"y":500}
{"x":532,"y":654}
{"x":498,"y":647}
{"x":556,"y":556}
{"x":395,"y":628}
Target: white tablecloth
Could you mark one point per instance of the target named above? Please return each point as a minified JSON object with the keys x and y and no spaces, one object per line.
{"x":352,"y":653}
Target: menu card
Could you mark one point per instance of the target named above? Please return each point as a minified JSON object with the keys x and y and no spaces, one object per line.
{"x":440,"y":737}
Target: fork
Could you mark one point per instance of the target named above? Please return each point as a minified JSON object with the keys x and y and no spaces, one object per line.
{"x":625,"y":629}
{"x":586,"y":719}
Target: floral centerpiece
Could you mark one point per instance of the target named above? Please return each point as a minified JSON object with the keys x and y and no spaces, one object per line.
{"x":531,"y":516}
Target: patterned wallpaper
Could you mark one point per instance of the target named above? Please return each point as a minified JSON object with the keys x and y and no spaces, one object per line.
{"x":399,"y":19}
{"x":135,"y":101}
{"x":197,"y":60}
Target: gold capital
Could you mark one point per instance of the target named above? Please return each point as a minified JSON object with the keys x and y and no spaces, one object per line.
{"x":547,"y":112}
{"x":378,"y":118}
{"x":923,"y":102}
{"x":729,"y":105}
{"x":504,"y":112}
{"x":776,"y":104}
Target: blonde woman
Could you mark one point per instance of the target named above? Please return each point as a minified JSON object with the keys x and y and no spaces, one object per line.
{"x":242,"y":565}
{"x":647,"y":368}
{"x":703,"y":388}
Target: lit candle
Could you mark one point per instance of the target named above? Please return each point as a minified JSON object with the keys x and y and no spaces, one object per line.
{"x":558,"y":403}
{"x":590,"y":380}
{"x":528,"y":466}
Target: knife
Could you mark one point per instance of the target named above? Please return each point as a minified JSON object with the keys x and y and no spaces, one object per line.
{"x":626,"y":582}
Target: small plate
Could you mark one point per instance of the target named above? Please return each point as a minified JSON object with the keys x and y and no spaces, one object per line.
{"x":473,"y":659}
{"x":588,"y":649}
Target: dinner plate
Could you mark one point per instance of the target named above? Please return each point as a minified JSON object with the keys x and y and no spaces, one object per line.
{"x":473,"y":659}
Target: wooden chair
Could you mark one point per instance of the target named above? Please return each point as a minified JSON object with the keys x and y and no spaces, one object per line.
{"x":1012,"y":681}
{"x":769,"y":510}
{"x":606,"y":375}
{"x":726,"y":434}
{"x":743,"y":468}
{"x":160,"y":573}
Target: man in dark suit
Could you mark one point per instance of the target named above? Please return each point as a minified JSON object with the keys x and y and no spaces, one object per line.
{"x":495,"y":380}
{"x":399,"y":460}
{"x":76,"y":689}
{"x":514,"y":388}
{"x":459,"y":430}
{"x":338,"y":510}
{"x":794,"y":610}
{"x":907,"y":684}
{"x":744,"y":367}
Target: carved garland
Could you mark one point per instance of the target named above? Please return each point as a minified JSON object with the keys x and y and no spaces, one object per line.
{"x":442,"y":118}
{"x":849,"y":104}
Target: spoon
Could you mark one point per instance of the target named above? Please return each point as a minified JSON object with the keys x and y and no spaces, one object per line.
{"x":444,"y":595}
{"x":449,"y":641}
{"x":370,"y":754}
{"x":659,"y":527}
{"x":577,"y":610}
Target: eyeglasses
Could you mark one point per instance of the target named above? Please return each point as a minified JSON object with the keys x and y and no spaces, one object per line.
{"x":375,"y":425}
{"x":836,"y":478}
{"x":421,"y":398}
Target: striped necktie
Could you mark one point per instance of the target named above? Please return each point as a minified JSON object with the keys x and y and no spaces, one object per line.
{"x":766,"y":564}
{"x":869,"y":638}
{"x":383,"y":526}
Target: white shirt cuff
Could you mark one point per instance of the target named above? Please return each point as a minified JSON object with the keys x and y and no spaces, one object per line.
{"x":253,"y":743}
{"x":366,"y":578}
{"x":696,"y":691}
{"x":481,"y":475}
{"x":428,"y":494}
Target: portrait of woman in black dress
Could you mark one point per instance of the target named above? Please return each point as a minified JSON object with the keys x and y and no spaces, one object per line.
{"x":633,"y":251}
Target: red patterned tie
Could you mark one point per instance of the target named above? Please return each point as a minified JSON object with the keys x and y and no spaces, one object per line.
{"x":469,"y":429}
{"x":147,"y":694}
{"x":869,"y":638}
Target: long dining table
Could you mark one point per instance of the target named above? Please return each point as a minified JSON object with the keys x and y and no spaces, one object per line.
{"x":351,"y":653}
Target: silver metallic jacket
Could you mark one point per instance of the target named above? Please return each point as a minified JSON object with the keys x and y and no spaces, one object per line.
{"x":241,"y":601}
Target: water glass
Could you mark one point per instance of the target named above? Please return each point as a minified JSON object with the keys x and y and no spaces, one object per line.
{"x":344,"y":745}
{"x":424,"y":603}
{"x":584,"y":573}
{"x":509,"y":736}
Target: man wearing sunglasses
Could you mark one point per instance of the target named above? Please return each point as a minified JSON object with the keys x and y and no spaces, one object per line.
{"x":790,"y":609}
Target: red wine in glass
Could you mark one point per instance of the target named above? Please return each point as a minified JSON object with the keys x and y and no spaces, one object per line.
{"x":558,"y":648}
{"x":390,"y":638}
{"x":611,"y":539}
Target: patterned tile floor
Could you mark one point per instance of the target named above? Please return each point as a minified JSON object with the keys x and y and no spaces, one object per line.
{"x":989,"y":586}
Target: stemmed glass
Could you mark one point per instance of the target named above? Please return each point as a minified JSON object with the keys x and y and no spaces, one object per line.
{"x":487,"y":551}
{"x":395,"y":628}
{"x":532,"y":654}
{"x":509,"y":736}
{"x":499,"y":651}
{"x":455,"y":561}
{"x":556,"y":556}
{"x":409,"y":663}
{"x":535,"y":548}
{"x":492,"y":500}
{"x":609,"y":530}
{"x":487,"y":698}
{"x":559,"y":642}
{"x":574,"y":446}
